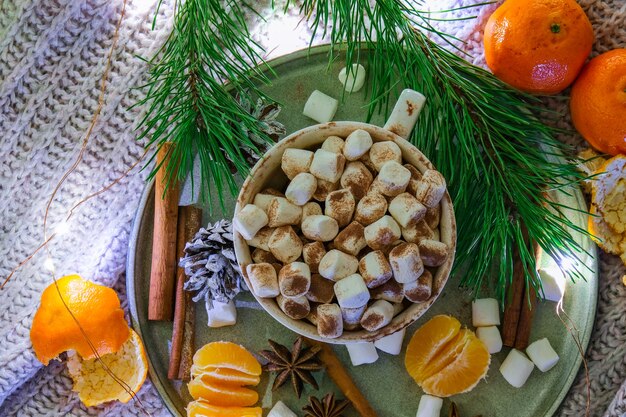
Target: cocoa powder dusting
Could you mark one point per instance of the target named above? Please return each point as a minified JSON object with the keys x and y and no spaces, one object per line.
{"x":409,"y":108}
{"x":372,"y":321}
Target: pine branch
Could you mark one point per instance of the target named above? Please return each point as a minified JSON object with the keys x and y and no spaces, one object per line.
{"x":499,"y":159}
{"x":189,"y":103}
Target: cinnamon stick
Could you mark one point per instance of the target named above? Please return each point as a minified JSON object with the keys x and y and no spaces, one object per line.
{"x":529,"y":306}
{"x":189,"y":220}
{"x":340,"y":376}
{"x":189,"y":347}
{"x":514,"y":307}
{"x":164,"y":242}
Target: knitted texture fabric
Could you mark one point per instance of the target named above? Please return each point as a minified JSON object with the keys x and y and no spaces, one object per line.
{"x":52,"y":56}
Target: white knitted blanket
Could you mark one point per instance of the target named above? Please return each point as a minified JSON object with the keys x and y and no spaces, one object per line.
{"x":52,"y":55}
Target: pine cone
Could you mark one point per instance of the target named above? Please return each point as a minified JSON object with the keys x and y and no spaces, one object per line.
{"x":211,"y":266}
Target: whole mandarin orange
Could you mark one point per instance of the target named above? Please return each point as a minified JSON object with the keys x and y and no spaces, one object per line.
{"x":538,"y":46}
{"x":598,"y":102}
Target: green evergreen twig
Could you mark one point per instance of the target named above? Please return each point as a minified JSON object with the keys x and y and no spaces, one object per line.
{"x":499,"y":159}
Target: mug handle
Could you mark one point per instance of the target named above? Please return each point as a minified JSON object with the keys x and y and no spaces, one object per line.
{"x":404,"y":115}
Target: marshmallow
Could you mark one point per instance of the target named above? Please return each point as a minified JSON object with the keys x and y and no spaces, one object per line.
{"x":312,"y":253}
{"x":261,"y":239}
{"x":321,"y":290}
{"x":417,"y":232}
{"x":281,"y":410}
{"x":312,"y":316}
{"x":336,"y":265}
{"x":296,"y":308}
{"x":282,"y":212}
{"x":367,"y":161}
{"x":285,"y":244}
{"x":352,"y":317}
{"x":433,"y":252}
{"x":272,"y":191}
{"x":385,"y":151}
{"x":301,"y":188}
{"x":356,"y":178}
{"x":362,"y":353}
{"x":353,"y":78}
{"x":391,"y":291}
{"x":382,"y":233}
{"x":421,"y":289}
{"x":432,"y":217}
{"x":329,"y":321}
{"x":391,"y":344}
{"x":371,"y":208}
{"x":221,"y":314}
{"x":294,"y":161}
{"x":542,"y":354}
{"x":416,"y":176}
{"x":491,"y":338}
{"x":406,"y":210}
{"x":352,"y":292}
{"x":375,"y":269}
{"x":333,"y":144}
{"x":311,"y":209}
{"x":340,"y":206}
{"x":393,"y":178}
{"x":406,"y":263}
{"x":431,"y":188}
{"x":327,"y":166}
{"x":320,"y":107}
{"x":324,"y":188}
{"x":377,"y":316}
{"x":294,"y":279}
{"x":260,"y":256}
{"x":351,"y":239}
{"x":516,"y":368}
{"x":397,"y":308}
{"x":263,"y":201}
{"x":250,"y":220}
{"x":485,"y":312}
{"x":319,"y":227}
{"x":263,"y":279}
{"x":357,"y":144}
{"x":429,"y":406}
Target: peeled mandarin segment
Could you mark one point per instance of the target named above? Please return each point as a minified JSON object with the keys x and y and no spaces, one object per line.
{"x":427,"y":341}
{"x":226,"y":355}
{"x":447,"y":355}
{"x":201,"y":408}
{"x":95,"y":307}
{"x":226,"y":376}
{"x":463,"y":374}
{"x":95,"y":386}
{"x":222,"y":395}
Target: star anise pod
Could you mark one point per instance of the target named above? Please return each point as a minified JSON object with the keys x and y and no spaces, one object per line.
{"x":296,"y":365}
{"x":326,"y":407}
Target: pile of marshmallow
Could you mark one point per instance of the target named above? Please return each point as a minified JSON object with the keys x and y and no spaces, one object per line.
{"x":355,"y":233}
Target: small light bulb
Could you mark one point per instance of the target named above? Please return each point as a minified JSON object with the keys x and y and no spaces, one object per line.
{"x":48,"y":264}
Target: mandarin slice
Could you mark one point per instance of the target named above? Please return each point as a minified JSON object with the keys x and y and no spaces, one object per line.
{"x":448,"y":353}
{"x":445,"y":359}
{"x":226,"y":376}
{"x":463,"y":374}
{"x":201,"y":408}
{"x":222,"y":395}
{"x":427,"y":341}
{"x":226,"y":355}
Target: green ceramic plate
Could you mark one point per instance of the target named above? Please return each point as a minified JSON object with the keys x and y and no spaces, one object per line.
{"x":385,"y":383}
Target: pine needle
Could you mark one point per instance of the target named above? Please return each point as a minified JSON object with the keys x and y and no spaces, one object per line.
{"x":208,"y":58}
{"x":481,"y":134}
